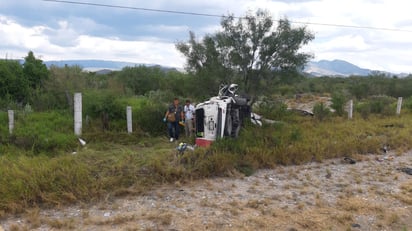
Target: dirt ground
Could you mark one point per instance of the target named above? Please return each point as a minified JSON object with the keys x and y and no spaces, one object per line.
{"x":372,"y":194}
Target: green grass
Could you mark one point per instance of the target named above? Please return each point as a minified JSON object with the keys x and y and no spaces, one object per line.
{"x":43,"y":132}
{"x":114,"y":163}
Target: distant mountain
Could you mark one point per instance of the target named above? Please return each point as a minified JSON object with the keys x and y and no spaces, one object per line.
{"x":338,"y":68}
{"x":334,"y":68}
{"x":99,"y":65}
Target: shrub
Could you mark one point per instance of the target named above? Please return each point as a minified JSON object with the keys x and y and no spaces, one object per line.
{"x":272,"y":109}
{"x":364,"y":109}
{"x":338,"y":103}
{"x":407,"y":103}
{"x":160,"y":96}
{"x":149,"y":117}
{"x":382,"y":105}
{"x":320,"y":111}
{"x":45,"y":132}
{"x":286,"y":90}
{"x":106,"y":108}
{"x":4,"y":124}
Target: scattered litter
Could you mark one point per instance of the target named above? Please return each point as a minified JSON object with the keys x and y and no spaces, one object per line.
{"x":183,"y":147}
{"x":106,"y":214}
{"x":388,"y":157}
{"x":354,"y":225}
{"x":256,"y":119}
{"x":74,"y":153}
{"x":349,"y":160}
{"x":380,"y":159}
{"x":406,"y":170}
{"x":393,"y":125}
{"x":191,"y":147}
{"x":328,"y":175}
{"x":385,"y":149}
{"x":82,"y":142}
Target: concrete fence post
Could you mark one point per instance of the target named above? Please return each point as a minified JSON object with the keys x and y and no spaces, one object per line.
{"x":11,"y":121}
{"x":129,"y":119}
{"x":399,"y":106}
{"x":77,"y":114}
{"x":350,"y":109}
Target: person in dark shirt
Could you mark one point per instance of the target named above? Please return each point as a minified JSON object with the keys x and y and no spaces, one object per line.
{"x":173,"y":115}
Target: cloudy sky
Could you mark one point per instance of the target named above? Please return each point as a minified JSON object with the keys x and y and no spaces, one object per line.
{"x":61,"y":31}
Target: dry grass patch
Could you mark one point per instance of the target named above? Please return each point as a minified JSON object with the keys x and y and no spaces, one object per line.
{"x":258,"y":223}
{"x":61,"y":223}
{"x":33,"y":218}
{"x":405,"y":195}
{"x":343,"y":217}
{"x":163,"y":217}
{"x":85,"y":214}
{"x":257,"y":204}
{"x":359,"y":205}
{"x":132,"y":228}
{"x":16,"y":227}
{"x":207,"y":203}
{"x":392,"y":218}
{"x":115,"y":220}
{"x":320,"y":203}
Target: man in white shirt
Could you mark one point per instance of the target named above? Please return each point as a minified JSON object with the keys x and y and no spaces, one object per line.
{"x":189,"y":111}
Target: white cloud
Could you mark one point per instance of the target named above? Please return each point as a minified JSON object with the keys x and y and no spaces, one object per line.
{"x":345,"y":43}
{"x":165,"y":28}
{"x":15,"y":35}
{"x":17,"y":40}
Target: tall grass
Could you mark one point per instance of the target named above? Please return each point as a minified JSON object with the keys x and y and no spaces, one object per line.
{"x":43,"y":132}
{"x":27,"y":181}
{"x":117,"y":164}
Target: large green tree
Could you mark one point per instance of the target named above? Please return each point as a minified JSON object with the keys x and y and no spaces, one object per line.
{"x":13,"y":85}
{"x":141,"y":79}
{"x":35,"y":71}
{"x":248,"y":48}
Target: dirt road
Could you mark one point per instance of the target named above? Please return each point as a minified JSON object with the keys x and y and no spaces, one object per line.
{"x":372,"y":194}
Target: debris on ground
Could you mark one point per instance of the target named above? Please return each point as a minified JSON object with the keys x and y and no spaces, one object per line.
{"x":82,"y":142}
{"x":354,"y":225}
{"x":385,"y":149}
{"x":349,"y":160}
{"x":380,"y":159}
{"x":406,"y":170}
{"x":183,"y":147}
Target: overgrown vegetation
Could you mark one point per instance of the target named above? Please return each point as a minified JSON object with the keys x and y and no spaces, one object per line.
{"x":111,"y":165}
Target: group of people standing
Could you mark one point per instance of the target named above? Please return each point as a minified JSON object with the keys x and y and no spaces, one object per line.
{"x":175,"y":115}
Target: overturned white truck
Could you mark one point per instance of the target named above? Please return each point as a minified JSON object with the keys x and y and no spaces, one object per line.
{"x":221,"y":116}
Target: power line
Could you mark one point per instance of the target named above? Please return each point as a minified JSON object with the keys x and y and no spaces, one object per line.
{"x":219,"y":16}
{"x":135,"y":8}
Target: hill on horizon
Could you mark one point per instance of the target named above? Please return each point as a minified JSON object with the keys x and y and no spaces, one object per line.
{"x":337,"y":68}
{"x":95,"y":65}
